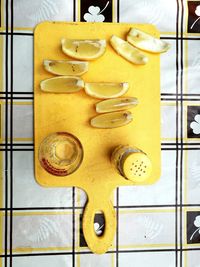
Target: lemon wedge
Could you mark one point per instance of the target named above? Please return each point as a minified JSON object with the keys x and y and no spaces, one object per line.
{"x":105,"y":90}
{"x":146,"y":41}
{"x":116,"y":104}
{"x":127,"y":51}
{"x":65,"y":67}
{"x":62,"y":84}
{"x":112,"y":120}
{"x":83,"y":49}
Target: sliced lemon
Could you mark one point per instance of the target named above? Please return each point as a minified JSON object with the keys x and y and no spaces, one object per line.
{"x":62,"y":84}
{"x":105,"y":90}
{"x":83,"y":49}
{"x":146,"y":41}
{"x":65,"y":67}
{"x":112,"y":120}
{"x":127,"y":51}
{"x":116,"y":104}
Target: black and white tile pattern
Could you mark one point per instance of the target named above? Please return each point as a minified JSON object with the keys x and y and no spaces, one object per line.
{"x":23,"y":196}
{"x":193,"y":121}
{"x":194,"y":16}
{"x":96,"y":11}
{"x":193,"y":227}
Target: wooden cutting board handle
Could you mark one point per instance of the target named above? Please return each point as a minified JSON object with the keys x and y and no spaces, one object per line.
{"x":95,"y":204}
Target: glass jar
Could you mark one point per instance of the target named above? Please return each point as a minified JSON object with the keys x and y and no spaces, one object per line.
{"x":60,"y":153}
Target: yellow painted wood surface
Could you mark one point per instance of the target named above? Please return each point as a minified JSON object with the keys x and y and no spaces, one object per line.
{"x":72,"y":113}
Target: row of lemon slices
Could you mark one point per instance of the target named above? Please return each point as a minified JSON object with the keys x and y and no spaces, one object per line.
{"x":113,"y":105}
{"x":69,"y":80}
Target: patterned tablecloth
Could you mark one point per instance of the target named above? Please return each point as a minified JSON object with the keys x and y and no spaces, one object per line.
{"x":158,"y":225}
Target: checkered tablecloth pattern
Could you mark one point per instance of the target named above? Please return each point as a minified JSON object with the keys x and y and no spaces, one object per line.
{"x":157,"y":225}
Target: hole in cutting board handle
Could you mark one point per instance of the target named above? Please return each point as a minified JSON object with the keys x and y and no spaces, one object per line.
{"x":99,"y":244}
{"x":99,"y":223}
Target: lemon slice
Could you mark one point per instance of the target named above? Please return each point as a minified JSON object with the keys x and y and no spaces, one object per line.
{"x":105,"y":90}
{"x":127,"y":51}
{"x":112,"y":120}
{"x":83,"y":49}
{"x":62,"y":84}
{"x":65,"y":67}
{"x":146,"y":41}
{"x":116,"y":104}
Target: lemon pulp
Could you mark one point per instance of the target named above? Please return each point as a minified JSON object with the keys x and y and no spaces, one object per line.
{"x":112,"y":120}
{"x":116,"y":104}
{"x":127,"y":51}
{"x":106,"y":90}
{"x":62,"y":84}
{"x":65,"y":67}
{"x":146,"y":41}
{"x":83,"y":49}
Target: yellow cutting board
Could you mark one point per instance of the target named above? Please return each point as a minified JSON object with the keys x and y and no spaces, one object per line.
{"x":72,"y":113}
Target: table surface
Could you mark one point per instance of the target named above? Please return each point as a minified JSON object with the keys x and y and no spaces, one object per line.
{"x":157,"y":225}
